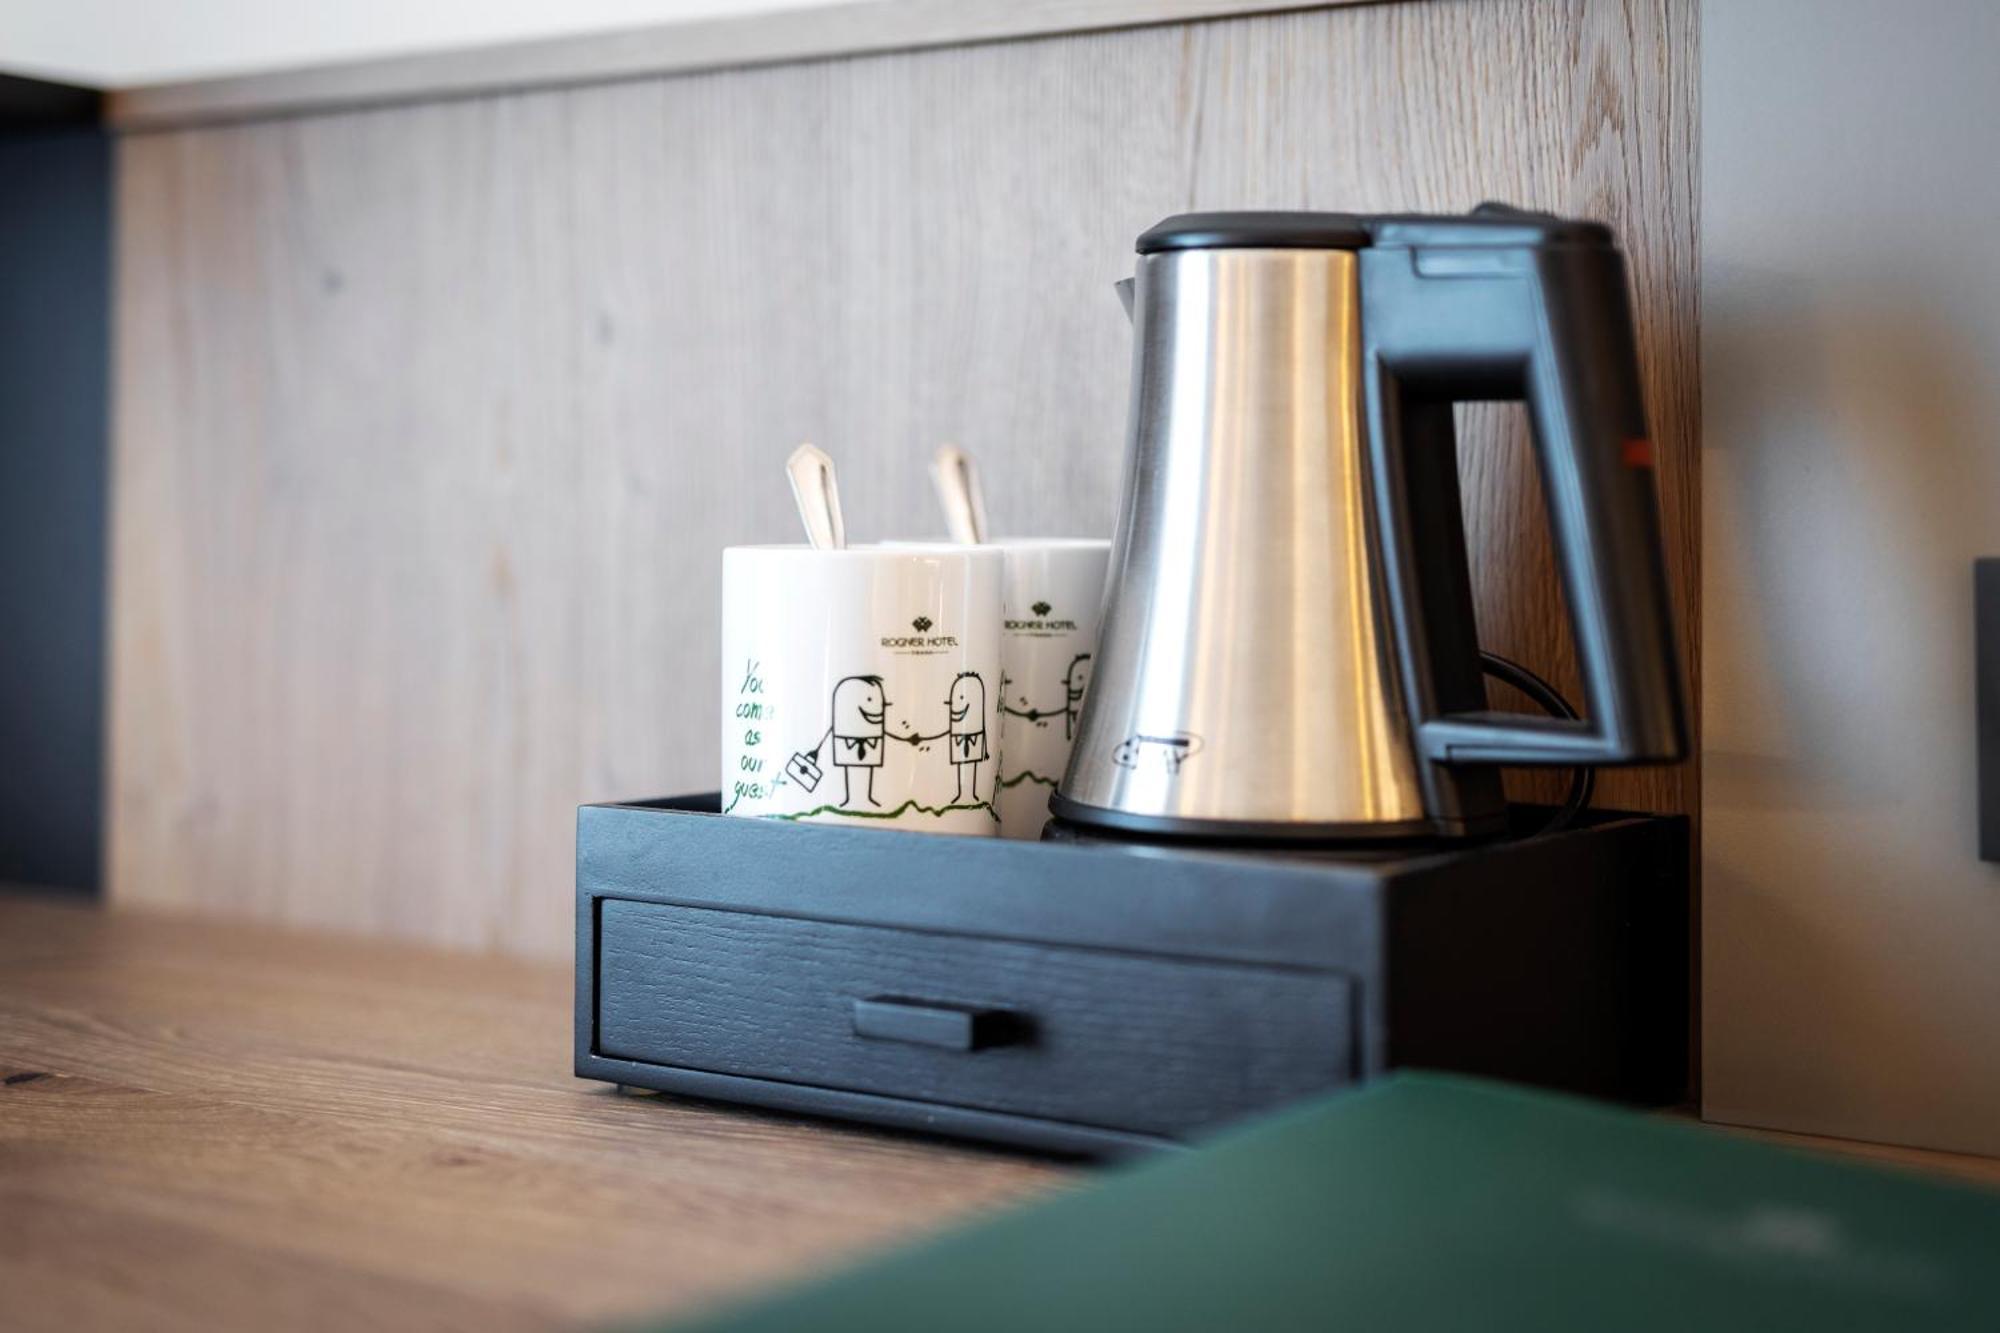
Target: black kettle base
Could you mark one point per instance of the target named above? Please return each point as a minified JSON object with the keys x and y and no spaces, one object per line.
{"x":1074,"y":821}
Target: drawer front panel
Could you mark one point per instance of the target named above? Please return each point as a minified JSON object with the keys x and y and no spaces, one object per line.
{"x":1146,"y":1044}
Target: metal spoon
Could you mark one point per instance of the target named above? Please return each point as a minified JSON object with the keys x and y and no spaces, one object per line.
{"x":957,"y":482}
{"x":818,"y":497}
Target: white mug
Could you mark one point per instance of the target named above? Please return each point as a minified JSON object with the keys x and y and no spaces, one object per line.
{"x":1051,"y":598}
{"x":860,"y":685}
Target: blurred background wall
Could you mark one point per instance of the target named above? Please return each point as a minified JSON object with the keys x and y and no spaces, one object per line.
{"x":55,"y":261}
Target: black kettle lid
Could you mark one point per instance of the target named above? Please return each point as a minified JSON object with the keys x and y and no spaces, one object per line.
{"x":1255,"y":231}
{"x":1488,"y":224}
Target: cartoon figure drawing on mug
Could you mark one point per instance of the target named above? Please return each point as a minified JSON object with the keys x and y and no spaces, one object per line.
{"x":859,"y":733}
{"x":966,"y":708}
{"x":1075,"y":682}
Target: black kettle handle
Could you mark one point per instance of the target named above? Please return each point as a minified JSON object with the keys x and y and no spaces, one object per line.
{"x":1459,"y":319}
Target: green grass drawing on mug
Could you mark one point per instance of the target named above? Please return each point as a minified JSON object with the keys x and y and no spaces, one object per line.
{"x":933,"y":810}
{"x":1027,"y":775}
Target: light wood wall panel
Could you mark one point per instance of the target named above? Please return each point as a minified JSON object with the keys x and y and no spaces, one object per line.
{"x":432,"y":420}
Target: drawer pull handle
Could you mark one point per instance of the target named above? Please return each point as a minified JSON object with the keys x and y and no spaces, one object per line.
{"x":946,"y":1027}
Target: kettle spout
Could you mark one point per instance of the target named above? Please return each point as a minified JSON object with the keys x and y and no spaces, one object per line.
{"x":1124,"y":289}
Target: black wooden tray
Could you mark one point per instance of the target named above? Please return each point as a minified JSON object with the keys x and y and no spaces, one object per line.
{"x":1096,"y":997}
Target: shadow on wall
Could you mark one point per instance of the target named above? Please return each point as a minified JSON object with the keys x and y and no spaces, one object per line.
{"x":1902,"y":438}
{"x":55,"y":202}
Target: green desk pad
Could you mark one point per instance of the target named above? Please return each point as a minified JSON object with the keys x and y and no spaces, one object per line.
{"x":1437,"y":1203}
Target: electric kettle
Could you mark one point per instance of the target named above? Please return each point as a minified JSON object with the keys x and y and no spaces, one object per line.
{"x":1287,"y":649}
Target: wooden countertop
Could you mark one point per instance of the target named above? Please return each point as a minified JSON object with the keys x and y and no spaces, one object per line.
{"x":212,"y":1126}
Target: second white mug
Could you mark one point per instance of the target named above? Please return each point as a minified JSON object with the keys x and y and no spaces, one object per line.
{"x":1051,"y":596}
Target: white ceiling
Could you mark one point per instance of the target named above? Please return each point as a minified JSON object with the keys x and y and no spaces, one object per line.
{"x":123,"y":43}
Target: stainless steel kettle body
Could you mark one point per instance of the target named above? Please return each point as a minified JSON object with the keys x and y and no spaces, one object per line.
{"x":1287,"y":649}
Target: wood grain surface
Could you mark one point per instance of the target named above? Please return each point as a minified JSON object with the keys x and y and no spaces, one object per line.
{"x":431,"y":421}
{"x":206,"y":1127}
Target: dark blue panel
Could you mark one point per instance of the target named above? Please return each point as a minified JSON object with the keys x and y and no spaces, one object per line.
{"x":55,"y":259}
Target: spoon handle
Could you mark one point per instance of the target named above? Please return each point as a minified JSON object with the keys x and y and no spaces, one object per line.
{"x":957,"y":482}
{"x":818,"y":497}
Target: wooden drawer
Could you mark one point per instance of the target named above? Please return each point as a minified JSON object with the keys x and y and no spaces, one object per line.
{"x":1088,"y":1036}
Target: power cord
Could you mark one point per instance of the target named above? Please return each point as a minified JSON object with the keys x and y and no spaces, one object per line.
{"x":1583,"y":777}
